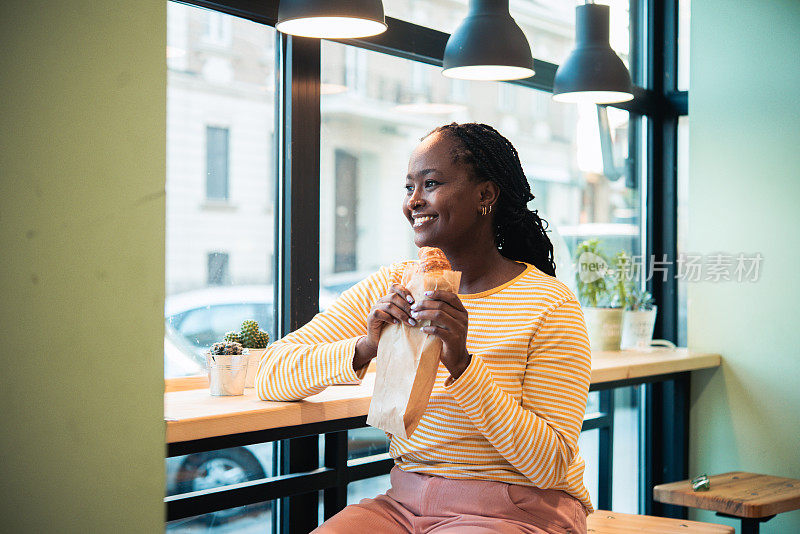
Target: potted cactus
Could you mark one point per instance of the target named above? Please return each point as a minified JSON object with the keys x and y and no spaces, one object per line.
{"x":602,"y":310}
{"x":255,"y":341}
{"x":227,"y":368}
{"x":639,"y":319}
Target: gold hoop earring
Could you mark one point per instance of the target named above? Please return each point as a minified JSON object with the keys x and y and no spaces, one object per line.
{"x":483,"y":210}
{"x":490,"y":209}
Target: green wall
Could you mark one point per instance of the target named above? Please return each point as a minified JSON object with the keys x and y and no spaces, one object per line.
{"x":82,"y":157}
{"x":744,"y":196}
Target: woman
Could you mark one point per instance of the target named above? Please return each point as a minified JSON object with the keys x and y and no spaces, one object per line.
{"x":496,"y":450}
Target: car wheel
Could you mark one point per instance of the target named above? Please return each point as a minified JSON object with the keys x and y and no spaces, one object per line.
{"x":213,"y":469}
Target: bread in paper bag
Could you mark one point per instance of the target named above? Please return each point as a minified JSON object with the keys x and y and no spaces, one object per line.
{"x":408,"y":359}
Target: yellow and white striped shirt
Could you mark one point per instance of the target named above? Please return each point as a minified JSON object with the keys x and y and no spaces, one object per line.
{"x":515,"y":413}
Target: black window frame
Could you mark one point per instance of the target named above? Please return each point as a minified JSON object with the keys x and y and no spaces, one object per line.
{"x":654,"y":62}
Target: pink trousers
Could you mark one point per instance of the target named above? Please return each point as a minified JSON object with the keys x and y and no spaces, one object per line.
{"x":420,"y":504}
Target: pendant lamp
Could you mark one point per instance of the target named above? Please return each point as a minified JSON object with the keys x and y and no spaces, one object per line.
{"x":488,"y":45}
{"x":331,"y":19}
{"x":592,"y":73}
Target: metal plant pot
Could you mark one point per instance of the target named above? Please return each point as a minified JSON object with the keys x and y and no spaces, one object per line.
{"x":227,"y":373}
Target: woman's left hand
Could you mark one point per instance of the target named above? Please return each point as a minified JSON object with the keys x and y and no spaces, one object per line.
{"x":449,"y":323}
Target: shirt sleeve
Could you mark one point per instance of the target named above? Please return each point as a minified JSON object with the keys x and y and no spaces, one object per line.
{"x":539,"y":434}
{"x":321,"y":353}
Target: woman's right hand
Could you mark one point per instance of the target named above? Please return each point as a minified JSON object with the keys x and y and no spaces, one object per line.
{"x":392,"y":308}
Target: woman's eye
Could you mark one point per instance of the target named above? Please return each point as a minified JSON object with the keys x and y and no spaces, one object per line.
{"x":409,"y":189}
{"x":431,"y":183}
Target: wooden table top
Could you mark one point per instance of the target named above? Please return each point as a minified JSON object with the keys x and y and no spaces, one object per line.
{"x":605,"y":522}
{"x":195,"y":414}
{"x":737,"y":493}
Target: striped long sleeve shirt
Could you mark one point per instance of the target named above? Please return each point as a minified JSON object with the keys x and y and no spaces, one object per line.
{"x":513,"y":416}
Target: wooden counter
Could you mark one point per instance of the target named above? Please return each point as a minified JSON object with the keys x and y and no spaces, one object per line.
{"x":195,"y":414}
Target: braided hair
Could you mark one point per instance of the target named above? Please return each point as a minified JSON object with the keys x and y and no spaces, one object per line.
{"x":520,"y":234}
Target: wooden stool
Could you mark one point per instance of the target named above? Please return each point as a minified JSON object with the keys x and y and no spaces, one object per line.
{"x":747,"y":496}
{"x":603,"y":522}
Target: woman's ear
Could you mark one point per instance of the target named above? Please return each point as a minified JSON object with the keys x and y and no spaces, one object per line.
{"x":490,"y":192}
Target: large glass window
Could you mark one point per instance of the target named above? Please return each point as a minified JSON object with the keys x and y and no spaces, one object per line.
{"x":220,"y":225}
{"x":220,"y":181}
{"x":375,"y":108}
{"x":576,"y":159}
{"x":549,"y":25}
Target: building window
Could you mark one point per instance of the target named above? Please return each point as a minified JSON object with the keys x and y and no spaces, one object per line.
{"x":217,"y":28}
{"x":345,"y":229}
{"x":218,"y":268}
{"x":216,"y":163}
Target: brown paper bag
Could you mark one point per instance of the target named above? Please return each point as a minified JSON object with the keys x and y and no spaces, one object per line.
{"x":408,"y":361}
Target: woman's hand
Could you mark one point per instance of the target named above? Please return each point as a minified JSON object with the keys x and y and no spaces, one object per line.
{"x":394,"y":307}
{"x":449,"y":323}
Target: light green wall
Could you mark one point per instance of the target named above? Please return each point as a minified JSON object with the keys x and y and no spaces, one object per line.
{"x":744,"y":196}
{"x":82,"y":157}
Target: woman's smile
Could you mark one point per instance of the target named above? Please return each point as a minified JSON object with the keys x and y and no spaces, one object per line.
{"x":422,"y":220}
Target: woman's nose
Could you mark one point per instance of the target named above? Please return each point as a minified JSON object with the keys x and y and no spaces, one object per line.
{"x":415,"y":200}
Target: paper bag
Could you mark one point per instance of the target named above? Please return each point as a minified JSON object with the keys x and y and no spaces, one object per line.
{"x":408,"y":361}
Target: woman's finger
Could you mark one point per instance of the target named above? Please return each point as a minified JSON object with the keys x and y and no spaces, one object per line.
{"x":404,"y":293}
{"x":397,"y":312}
{"x":439,"y":318}
{"x":439,"y":305}
{"x":401,"y":303}
{"x":384,"y":316}
{"x":446,"y":296}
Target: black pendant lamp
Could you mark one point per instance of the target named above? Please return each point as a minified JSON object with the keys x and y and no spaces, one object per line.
{"x":593,"y":72}
{"x":331,"y":19}
{"x":488,"y":45}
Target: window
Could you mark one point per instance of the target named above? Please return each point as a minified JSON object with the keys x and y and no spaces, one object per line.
{"x":220,"y":225}
{"x":216,"y":163}
{"x":583,"y":163}
{"x":218,"y":28}
{"x":218,"y":269}
{"x":220,"y":187}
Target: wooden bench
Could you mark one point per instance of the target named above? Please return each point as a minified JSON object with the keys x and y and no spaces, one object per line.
{"x":604,"y":522}
{"x":750,"y":497}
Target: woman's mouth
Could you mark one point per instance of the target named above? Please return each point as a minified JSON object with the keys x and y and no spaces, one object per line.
{"x":425,"y":219}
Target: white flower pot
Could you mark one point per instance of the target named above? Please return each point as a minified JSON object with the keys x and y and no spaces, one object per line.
{"x":252,"y":366}
{"x":604,"y":326}
{"x":637,"y":329}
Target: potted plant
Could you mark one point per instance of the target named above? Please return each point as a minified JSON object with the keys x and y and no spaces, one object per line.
{"x":639,"y":320}
{"x":601,"y":309}
{"x":255,"y":341}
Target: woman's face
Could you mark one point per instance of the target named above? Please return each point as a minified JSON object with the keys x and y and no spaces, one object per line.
{"x":442,"y":201}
